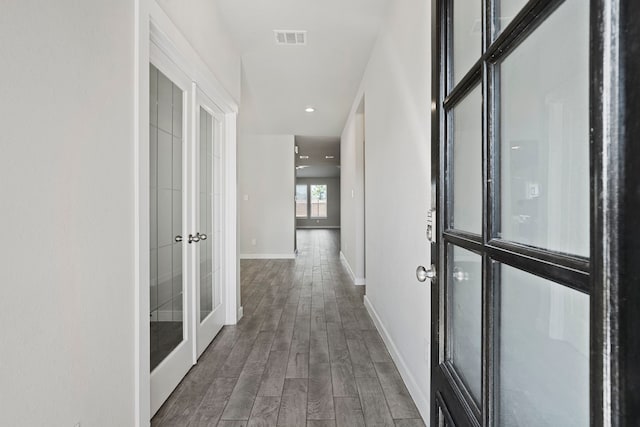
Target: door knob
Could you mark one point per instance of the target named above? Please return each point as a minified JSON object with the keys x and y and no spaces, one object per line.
{"x":203,"y":236}
{"x":422,"y":274}
{"x":194,"y":239}
{"x":178,"y":239}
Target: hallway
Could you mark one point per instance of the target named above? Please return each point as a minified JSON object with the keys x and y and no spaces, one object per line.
{"x":305,"y":353}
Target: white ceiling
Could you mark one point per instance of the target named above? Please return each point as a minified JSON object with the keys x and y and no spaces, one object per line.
{"x":280,"y":81}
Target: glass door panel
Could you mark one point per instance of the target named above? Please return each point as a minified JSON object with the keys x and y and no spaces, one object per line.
{"x":544,"y":135}
{"x":467,"y":163}
{"x":465,"y":318}
{"x":166,"y":201}
{"x":467,"y":36}
{"x":544,"y":352}
{"x":209,"y":249}
{"x":507,"y":10}
{"x":206,"y":211}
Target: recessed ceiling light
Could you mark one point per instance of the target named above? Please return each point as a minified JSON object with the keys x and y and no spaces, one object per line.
{"x":329,"y":157}
{"x":304,"y":157}
{"x":309,"y":109}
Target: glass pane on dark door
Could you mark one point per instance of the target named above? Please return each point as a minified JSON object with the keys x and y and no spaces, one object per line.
{"x":544,"y":135}
{"x":544,"y":352}
{"x":467,"y":163}
{"x":465,"y":318}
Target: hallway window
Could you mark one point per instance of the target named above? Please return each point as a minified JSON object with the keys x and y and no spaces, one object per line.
{"x":318,"y":201}
{"x":301,"y":201}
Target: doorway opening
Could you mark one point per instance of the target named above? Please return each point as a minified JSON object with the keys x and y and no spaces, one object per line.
{"x":317,"y":183}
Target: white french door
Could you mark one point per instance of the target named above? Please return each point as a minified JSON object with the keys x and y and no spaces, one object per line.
{"x":210,"y":310}
{"x":187,"y":299}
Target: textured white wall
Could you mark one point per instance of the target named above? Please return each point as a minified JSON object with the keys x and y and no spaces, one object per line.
{"x":67,"y":262}
{"x":266,"y":174}
{"x":396,"y":88}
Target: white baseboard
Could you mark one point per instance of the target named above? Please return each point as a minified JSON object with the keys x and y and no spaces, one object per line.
{"x":240,"y":313}
{"x":358,"y":281}
{"x":318,"y":226}
{"x":418,"y":397}
{"x":268,"y":256}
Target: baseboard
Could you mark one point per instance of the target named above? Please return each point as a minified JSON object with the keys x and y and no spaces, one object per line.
{"x":358,"y":281}
{"x":318,"y":226}
{"x":240,"y":313}
{"x":418,"y":397}
{"x":268,"y":256}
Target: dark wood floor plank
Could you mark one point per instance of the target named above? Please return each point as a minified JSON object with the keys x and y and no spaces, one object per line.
{"x":398,"y":398}
{"x":318,"y":347}
{"x":232,"y":423}
{"x":214,"y":402}
{"x":360,"y":359}
{"x":273,"y":377}
{"x":321,"y":423}
{"x":320,"y":395}
{"x":293,"y":405}
{"x":265,"y":411}
{"x":298,"y":365}
{"x":348,"y":412}
{"x":377,"y":349}
{"x":342,"y":378}
{"x":374,"y":404}
{"x":410,"y":423}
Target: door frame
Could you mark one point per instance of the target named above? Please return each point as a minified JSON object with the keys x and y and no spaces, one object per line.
{"x":614,"y":226}
{"x":152,"y":24}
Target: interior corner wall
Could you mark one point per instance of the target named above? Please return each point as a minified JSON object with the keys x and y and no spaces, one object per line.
{"x":67,"y":273}
{"x":333,"y":204}
{"x":396,"y":88}
{"x":266,"y":184}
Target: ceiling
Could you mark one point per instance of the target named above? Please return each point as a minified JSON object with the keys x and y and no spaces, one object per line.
{"x":317,"y":149}
{"x":279,"y":82}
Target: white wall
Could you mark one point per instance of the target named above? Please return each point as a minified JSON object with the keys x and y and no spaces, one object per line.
{"x":266,"y":175}
{"x":201,"y":23}
{"x":66,"y":265}
{"x":396,"y":88}
{"x":67,"y":273}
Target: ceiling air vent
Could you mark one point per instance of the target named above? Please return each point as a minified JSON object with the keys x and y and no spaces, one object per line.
{"x":291,"y":38}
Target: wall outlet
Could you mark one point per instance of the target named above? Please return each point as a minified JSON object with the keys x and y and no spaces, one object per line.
{"x":253,"y":242}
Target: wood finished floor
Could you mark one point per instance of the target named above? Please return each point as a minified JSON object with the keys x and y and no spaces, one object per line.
{"x":306,"y":353}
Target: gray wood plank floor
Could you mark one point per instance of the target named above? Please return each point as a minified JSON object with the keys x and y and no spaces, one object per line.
{"x":305,"y":353}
